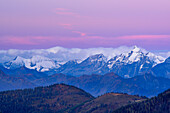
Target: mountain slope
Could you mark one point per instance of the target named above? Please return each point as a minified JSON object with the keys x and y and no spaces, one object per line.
{"x":90,"y":65}
{"x":107,"y":103}
{"x":159,"y":104}
{"x":153,"y":85}
{"x":145,"y":85}
{"x":38,"y":63}
{"x":51,"y":99}
{"x":8,"y":83}
{"x":162,"y":69}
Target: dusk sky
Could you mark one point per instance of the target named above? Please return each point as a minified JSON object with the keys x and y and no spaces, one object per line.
{"x":35,"y":24}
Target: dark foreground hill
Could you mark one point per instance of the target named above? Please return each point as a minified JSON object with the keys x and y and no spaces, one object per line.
{"x":159,"y":104}
{"x":51,"y":99}
{"x":106,"y":103}
{"x":61,"y":98}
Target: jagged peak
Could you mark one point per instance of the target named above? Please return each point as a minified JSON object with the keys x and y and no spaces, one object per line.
{"x":157,"y":59}
{"x":18,"y":58}
{"x":97,"y":57}
{"x":72,"y":61}
{"x":136,"y":49}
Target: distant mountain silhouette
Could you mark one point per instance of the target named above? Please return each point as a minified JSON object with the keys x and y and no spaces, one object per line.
{"x":8,"y":82}
{"x":145,"y":85}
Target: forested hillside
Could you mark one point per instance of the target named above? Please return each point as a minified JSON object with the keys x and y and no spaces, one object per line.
{"x":51,"y":99}
{"x":159,"y":104}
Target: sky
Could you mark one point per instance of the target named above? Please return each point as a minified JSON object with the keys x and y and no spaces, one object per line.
{"x":41,"y":24}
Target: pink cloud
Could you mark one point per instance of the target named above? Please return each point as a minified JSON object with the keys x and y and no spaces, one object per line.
{"x":18,"y":40}
{"x":78,"y":32}
{"x":40,"y":38}
{"x":61,"y":9}
{"x":145,"y":37}
{"x":66,"y":12}
{"x":66,"y":26}
{"x":32,"y":40}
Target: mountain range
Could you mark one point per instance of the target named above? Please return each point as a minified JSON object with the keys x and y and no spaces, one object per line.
{"x":136,"y":72}
{"x":144,"y":85}
{"x":128,"y":64}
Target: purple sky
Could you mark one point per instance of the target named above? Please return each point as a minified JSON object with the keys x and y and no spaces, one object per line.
{"x":33,"y":24}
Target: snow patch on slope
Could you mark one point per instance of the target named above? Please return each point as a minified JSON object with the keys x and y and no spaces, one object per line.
{"x":38,"y":63}
{"x":155,"y":58}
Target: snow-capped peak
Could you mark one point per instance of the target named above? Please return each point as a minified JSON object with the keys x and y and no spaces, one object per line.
{"x":15,"y":63}
{"x":155,"y":58}
{"x":135,"y":55}
{"x":97,"y":57}
{"x":136,"y":49}
{"x":18,"y":59}
{"x":38,"y":58}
